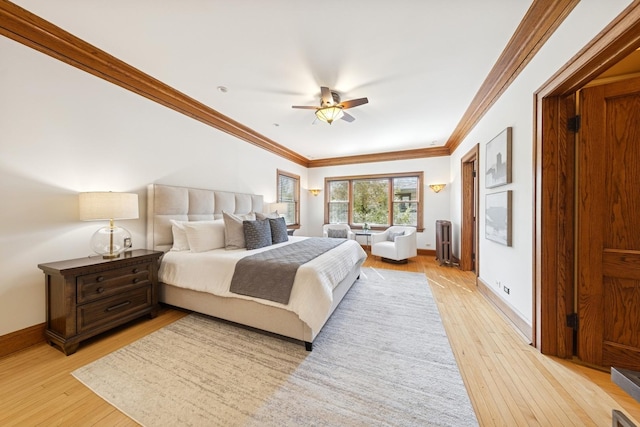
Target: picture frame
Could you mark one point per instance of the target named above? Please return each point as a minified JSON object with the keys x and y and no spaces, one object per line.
{"x":497,"y":216}
{"x":498,"y":160}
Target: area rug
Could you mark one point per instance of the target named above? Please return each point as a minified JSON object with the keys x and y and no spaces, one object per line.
{"x":382,"y":359}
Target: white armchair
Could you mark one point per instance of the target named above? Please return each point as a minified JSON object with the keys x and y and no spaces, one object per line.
{"x":333,"y":230}
{"x":396,"y":244}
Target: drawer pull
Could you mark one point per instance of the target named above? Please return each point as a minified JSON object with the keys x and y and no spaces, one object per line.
{"x":136,"y":280}
{"x":99,"y":278}
{"x":117,"y":306}
{"x":100,"y":290}
{"x":135,"y":270}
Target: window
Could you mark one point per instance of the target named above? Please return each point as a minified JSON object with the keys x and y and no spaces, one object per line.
{"x":289,"y":195}
{"x":338,"y":202}
{"x":378,"y":200}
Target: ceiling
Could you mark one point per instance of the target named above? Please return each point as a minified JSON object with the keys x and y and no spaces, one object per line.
{"x":419,"y":62}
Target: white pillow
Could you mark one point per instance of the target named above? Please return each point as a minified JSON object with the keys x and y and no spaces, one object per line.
{"x":234,"y":232}
{"x":205,"y":235}
{"x":180,"y":242}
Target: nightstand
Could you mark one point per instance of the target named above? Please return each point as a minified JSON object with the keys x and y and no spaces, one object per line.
{"x":88,"y":296}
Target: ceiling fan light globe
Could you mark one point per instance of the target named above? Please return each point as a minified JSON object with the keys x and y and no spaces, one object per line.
{"x":329,"y":114}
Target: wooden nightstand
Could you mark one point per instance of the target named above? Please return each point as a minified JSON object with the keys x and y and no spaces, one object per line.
{"x":87,"y":296}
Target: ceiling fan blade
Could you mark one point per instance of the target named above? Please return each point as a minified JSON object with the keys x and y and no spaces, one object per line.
{"x":354,"y":103}
{"x":325,"y":95}
{"x":347,"y":117}
{"x":306,"y":107}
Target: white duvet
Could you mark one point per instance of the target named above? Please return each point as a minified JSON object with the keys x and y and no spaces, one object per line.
{"x":311,"y":295}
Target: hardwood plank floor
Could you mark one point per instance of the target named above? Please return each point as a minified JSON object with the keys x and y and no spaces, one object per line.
{"x":510,"y":383}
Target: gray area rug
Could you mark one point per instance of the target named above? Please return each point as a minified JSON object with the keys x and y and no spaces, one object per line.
{"x":382,"y":359}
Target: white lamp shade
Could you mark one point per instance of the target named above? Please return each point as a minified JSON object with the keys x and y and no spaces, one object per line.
{"x":96,"y":206}
{"x":280,"y":207}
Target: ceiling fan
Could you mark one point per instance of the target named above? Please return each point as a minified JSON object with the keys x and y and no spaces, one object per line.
{"x":331,"y":108}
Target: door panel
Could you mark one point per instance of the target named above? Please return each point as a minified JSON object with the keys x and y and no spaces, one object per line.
{"x":608,"y":229}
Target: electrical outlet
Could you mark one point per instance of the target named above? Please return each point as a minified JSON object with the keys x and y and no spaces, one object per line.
{"x":507,"y":290}
{"x":498,"y":283}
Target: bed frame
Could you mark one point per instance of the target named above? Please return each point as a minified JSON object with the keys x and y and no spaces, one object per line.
{"x":165,"y":202}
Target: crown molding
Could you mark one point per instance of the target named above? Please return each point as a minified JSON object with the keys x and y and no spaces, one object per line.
{"x":538,"y":24}
{"x":18,"y":24}
{"x":419,"y":153}
{"x":24,"y":27}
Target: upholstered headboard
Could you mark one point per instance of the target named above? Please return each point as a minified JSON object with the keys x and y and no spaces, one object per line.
{"x":166,"y":202}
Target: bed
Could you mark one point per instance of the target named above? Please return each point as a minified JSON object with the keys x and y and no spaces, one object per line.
{"x":200,"y":280}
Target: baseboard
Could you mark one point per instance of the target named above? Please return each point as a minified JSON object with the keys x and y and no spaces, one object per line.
{"x":427,"y":252}
{"x":510,"y":313}
{"x":19,"y":340}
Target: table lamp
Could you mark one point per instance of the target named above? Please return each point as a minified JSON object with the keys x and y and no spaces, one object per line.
{"x":111,"y":240}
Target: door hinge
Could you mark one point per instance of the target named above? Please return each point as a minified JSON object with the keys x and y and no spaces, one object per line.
{"x":474,"y":173}
{"x":573,"y":124}
{"x":572,"y":321}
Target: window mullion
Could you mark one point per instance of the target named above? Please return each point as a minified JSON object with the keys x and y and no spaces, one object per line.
{"x":392,"y":201}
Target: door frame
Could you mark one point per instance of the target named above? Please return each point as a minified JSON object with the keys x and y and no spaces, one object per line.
{"x":554,"y":178}
{"x":470,"y":190}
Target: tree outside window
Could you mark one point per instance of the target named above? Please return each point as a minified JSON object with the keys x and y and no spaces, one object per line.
{"x":371,"y":202}
{"x":378,"y":201}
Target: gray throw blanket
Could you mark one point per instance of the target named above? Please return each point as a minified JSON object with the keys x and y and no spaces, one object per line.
{"x":270,"y":274}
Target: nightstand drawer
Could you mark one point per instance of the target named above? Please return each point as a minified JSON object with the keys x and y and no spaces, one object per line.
{"x":101,"y":312}
{"x":91,"y":287}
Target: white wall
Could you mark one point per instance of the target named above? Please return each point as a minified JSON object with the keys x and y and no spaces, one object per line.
{"x":436,"y":206}
{"x":63,"y":131}
{"x":513,"y":266}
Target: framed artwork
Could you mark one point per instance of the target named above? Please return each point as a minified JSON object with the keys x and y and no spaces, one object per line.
{"x":497,"y":214}
{"x":498,"y":163}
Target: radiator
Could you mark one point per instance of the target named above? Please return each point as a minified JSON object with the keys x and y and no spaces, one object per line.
{"x":443,"y":242}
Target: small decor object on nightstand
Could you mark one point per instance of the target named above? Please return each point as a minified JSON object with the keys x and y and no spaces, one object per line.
{"x":111,"y":240}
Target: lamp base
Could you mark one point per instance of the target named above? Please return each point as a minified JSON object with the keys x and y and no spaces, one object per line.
{"x":110,"y":241}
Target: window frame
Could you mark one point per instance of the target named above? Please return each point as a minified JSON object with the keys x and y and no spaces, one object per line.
{"x":296,"y":179}
{"x":390,"y":177}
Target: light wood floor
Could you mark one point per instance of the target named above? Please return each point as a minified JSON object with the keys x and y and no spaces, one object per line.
{"x":509,"y":382}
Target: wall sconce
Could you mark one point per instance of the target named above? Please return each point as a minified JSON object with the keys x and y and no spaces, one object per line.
{"x":437,"y":187}
{"x":315,"y":191}
{"x":111,"y":240}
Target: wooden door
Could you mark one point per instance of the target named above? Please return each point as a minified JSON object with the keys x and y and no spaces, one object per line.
{"x":608,"y":227}
{"x":469,"y":226}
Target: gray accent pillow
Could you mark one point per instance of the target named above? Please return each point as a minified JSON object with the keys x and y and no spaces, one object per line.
{"x":338,"y":233}
{"x":278,"y":230}
{"x":393,"y":234}
{"x":233,"y":231}
{"x":257,"y":234}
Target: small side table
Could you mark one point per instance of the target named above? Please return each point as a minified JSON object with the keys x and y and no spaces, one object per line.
{"x":366,"y":233}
